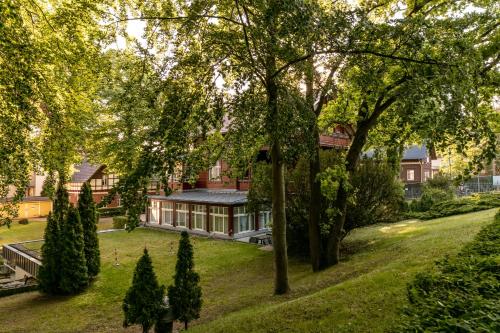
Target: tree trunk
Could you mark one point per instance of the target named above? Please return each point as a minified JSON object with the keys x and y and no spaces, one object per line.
{"x":352,"y":159}
{"x":186,"y":325}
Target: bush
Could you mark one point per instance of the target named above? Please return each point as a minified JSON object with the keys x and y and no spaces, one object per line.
{"x":24,"y":221}
{"x":474,"y":203}
{"x":119,"y":222}
{"x":462,"y":294}
{"x":111,"y":211}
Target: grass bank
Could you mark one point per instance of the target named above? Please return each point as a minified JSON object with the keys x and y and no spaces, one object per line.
{"x":362,"y":294}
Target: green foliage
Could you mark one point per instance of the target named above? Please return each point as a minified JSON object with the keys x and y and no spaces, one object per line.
{"x":473,"y":203}
{"x":143,"y":302}
{"x":49,"y":273}
{"x":49,"y":276}
{"x":18,"y":290}
{"x":185,"y":295}
{"x":73,"y":271}
{"x":89,"y":220}
{"x":378,"y":195}
{"x":430,"y":196}
{"x":111,"y":211}
{"x":461,"y":294}
{"x":49,"y":186}
{"x":23,"y":221}
{"x":119,"y":222}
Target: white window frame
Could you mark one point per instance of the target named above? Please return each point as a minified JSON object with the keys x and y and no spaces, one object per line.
{"x":167,"y":209}
{"x":214,"y":172}
{"x":410,"y":174}
{"x":265,"y":219}
{"x":182,"y":210}
{"x":239,"y":215}
{"x":219,"y":215}
{"x":427,"y":175}
{"x":198,"y":215}
{"x":154,"y":212}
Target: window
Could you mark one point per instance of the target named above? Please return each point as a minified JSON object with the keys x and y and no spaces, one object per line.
{"x":410,"y":174}
{"x":242,"y":220}
{"x":182,"y":215}
{"x":214,"y":172}
{"x":218,"y":219}
{"x":265,"y":219}
{"x":154,"y":212}
{"x":427,"y":175}
{"x":167,"y":213}
{"x":199,"y":216}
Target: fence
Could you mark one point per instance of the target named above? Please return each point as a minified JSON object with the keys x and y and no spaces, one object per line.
{"x":478,"y":184}
{"x":17,"y":258}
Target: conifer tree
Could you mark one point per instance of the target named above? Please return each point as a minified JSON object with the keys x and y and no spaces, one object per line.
{"x":185,"y":295}
{"x":74,"y":277}
{"x":88,"y":217}
{"x":144,"y":299}
{"x":49,"y":275}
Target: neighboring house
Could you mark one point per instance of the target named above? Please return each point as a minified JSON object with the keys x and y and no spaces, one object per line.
{"x":416,"y":165}
{"x":33,"y":204}
{"x":100,"y":181}
{"x":217,"y":204}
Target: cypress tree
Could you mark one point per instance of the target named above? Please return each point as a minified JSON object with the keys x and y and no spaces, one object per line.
{"x":74,"y":277}
{"x":88,"y":217}
{"x":185,"y":295}
{"x":49,"y":274}
{"x":144,"y":299}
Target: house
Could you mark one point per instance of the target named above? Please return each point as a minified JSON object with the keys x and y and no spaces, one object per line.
{"x":33,"y":203}
{"x":216,"y":205}
{"x":416,"y":165}
{"x":100,"y":181}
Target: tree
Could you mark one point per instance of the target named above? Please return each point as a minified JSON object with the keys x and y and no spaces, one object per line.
{"x":144,"y":299}
{"x":49,"y":273}
{"x":185,"y":295}
{"x":49,"y":186}
{"x":88,"y":217}
{"x":73,"y":270}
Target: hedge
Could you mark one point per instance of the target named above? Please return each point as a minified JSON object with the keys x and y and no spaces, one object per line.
{"x":463,"y":293}
{"x":474,"y":203}
{"x":112,"y":211}
{"x":119,"y":222}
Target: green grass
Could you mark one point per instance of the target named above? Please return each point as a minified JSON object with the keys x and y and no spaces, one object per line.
{"x":362,"y":294}
{"x":34,"y":230}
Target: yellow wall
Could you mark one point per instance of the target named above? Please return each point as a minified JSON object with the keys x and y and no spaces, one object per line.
{"x":28,"y":209}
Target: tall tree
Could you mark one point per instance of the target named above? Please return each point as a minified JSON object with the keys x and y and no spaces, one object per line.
{"x":73,"y":270}
{"x":185,"y":295}
{"x":49,"y":273}
{"x":144,"y":299}
{"x":89,"y":219}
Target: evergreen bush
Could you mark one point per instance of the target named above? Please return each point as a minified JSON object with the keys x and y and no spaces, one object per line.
{"x":119,"y":222}
{"x":143,"y":303}
{"x":89,"y":220}
{"x":74,"y":274}
{"x":24,"y":221}
{"x":185,"y":295}
{"x":462,"y":293}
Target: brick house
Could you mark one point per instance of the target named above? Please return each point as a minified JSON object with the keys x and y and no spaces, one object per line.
{"x":216,"y":205}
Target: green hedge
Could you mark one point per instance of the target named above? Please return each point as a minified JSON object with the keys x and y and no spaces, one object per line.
{"x":463,"y":293}
{"x":474,"y":203}
{"x":112,"y":211}
{"x":119,"y":222}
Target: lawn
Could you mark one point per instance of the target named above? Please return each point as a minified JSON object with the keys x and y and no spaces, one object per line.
{"x":34,"y":230}
{"x":362,"y":294}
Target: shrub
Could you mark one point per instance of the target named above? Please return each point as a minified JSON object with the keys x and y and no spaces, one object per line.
{"x":461,"y":295}
{"x":111,"y":211}
{"x":119,"y":222}
{"x":24,"y":221}
{"x":475,"y":202}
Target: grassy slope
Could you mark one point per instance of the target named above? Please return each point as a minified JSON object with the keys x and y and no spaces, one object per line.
{"x":362,"y":294}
